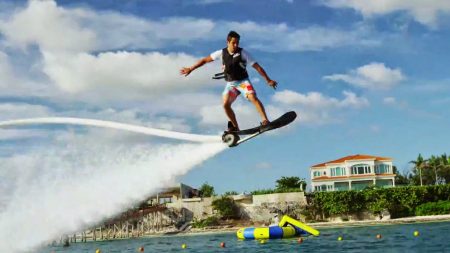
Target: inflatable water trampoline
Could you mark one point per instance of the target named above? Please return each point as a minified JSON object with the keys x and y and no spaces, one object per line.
{"x":288,"y":227}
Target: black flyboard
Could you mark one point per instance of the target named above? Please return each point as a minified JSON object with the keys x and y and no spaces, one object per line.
{"x":232,"y":138}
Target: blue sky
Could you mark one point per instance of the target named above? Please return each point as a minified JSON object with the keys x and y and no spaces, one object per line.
{"x":367,"y":77}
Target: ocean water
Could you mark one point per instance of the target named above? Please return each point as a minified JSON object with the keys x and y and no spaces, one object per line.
{"x":433,"y":237}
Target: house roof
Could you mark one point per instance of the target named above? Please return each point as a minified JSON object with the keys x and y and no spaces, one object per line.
{"x":353,"y":158}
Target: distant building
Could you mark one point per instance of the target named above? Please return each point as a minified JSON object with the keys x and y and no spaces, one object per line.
{"x":354,"y":172}
{"x":173,"y":194}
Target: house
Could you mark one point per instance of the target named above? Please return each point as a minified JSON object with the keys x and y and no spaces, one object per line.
{"x":354,"y":172}
{"x":173,"y":194}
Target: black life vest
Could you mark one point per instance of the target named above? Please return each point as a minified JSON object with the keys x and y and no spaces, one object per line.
{"x":234,"y":65}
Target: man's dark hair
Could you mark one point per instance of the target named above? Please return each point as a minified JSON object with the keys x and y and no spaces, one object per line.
{"x":233,"y":34}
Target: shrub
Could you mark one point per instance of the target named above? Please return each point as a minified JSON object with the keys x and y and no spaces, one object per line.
{"x":226,"y":207}
{"x":210,"y":221}
{"x":399,"y":201}
{"x":433,"y":208}
{"x":270,"y":191}
{"x":206,"y":190}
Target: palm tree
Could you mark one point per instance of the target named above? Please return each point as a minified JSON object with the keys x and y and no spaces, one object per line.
{"x":444,"y":168}
{"x":419,"y":163}
{"x":433,"y":162}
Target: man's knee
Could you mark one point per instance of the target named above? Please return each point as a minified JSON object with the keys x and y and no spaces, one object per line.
{"x":252,"y":97}
{"x":227,"y":104}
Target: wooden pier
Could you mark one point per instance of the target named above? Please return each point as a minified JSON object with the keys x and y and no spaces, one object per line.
{"x":151,"y":220}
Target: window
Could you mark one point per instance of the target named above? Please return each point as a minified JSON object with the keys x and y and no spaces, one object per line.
{"x":382,"y":169}
{"x":320,"y":188}
{"x":316,"y":173}
{"x":165,"y":200}
{"x":338,"y":171}
{"x":359,"y":169}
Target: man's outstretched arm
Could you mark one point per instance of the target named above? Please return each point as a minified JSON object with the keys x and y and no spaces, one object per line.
{"x":263,"y":73}
{"x":187,"y":70}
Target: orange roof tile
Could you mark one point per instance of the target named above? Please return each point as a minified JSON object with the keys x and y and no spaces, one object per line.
{"x":351,"y":158}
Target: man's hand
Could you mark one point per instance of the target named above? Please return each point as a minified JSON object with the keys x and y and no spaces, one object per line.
{"x":185,"y":71}
{"x":272,"y":84}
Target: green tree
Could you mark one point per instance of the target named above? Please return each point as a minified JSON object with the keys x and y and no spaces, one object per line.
{"x":444,"y":169}
{"x":419,"y":164}
{"x":229,"y":193}
{"x":290,"y":182}
{"x":400,"y":179}
{"x":433,"y":165}
{"x":206,"y":190}
{"x":226,"y":207}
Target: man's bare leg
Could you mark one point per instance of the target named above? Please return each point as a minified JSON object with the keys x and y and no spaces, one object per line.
{"x":227,"y":101}
{"x":259,"y":106}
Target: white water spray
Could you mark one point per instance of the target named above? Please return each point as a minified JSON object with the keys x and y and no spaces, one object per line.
{"x":114,"y":125}
{"x":67,"y":188}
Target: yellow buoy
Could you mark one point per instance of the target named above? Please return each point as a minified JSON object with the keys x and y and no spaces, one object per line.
{"x":98,"y":251}
{"x":416,"y":233}
{"x":183,"y":246}
{"x":340,"y":238}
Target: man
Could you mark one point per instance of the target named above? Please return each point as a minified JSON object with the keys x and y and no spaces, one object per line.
{"x":234,"y":61}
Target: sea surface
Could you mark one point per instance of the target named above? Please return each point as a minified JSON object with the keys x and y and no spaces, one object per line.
{"x":433,"y":237}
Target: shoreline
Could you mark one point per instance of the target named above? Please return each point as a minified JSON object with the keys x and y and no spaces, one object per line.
{"x":331,"y":224}
{"x":317,"y":225}
{"x":405,"y":220}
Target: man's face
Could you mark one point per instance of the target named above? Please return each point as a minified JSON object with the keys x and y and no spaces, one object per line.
{"x":232,"y":45}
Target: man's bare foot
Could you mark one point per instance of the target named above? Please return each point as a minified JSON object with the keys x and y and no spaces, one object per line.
{"x":265,"y":122}
{"x":264,"y":126}
{"x":231,"y":127}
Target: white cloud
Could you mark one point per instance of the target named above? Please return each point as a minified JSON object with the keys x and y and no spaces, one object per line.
{"x":372,"y":76}
{"x":123,"y":75}
{"x":311,"y":108}
{"x":425,"y":12}
{"x":6,"y":73}
{"x":67,"y":38}
{"x":10,"y":111}
{"x":389,"y":101}
{"x":316,"y":100}
{"x":246,"y":115}
{"x":265,"y":37}
{"x":316,"y":108}
{"x":49,"y":26}
{"x":55,"y":28}
{"x":43,"y":23}
{"x":15,"y":134}
{"x":182,"y":104}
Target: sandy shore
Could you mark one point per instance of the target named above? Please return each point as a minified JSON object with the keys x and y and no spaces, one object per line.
{"x":415,"y":219}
